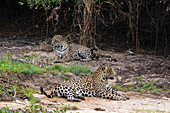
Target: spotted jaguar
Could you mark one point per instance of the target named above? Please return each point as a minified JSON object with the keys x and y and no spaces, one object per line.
{"x":95,"y":85}
{"x":70,"y":51}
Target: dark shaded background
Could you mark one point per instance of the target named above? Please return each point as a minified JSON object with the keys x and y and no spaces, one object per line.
{"x":21,"y":22}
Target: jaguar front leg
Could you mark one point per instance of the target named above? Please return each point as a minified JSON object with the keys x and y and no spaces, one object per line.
{"x":108,"y":95}
{"x":78,"y":94}
{"x":72,"y":98}
{"x":59,"y":59}
{"x":111,"y":90}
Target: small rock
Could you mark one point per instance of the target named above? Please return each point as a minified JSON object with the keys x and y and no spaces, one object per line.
{"x":49,"y":75}
{"x":70,"y":75}
{"x":130,"y":82}
{"x":99,"y":109}
{"x":18,"y":101}
{"x":131,"y":75}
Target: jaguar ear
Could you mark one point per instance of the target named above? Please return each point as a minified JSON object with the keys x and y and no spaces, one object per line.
{"x":103,"y":68}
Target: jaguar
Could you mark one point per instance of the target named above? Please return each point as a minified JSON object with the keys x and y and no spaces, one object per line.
{"x":95,"y":85}
{"x":70,"y":51}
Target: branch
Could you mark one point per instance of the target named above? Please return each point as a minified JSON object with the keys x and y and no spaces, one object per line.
{"x":3,"y":89}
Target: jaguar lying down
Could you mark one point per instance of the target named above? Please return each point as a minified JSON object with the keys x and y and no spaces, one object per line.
{"x":95,"y":85}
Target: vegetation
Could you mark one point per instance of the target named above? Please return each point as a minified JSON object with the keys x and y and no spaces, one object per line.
{"x":31,"y":109}
{"x":18,"y":67}
{"x":27,"y":93}
{"x":149,"y":111}
{"x":142,"y":86}
{"x":139,"y":23}
{"x":77,"y":70}
{"x":147,"y":87}
{"x":39,"y":109}
{"x":29,"y":69}
{"x":5,"y":110}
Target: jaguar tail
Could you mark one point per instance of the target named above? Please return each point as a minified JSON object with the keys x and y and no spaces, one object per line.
{"x":43,"y":92}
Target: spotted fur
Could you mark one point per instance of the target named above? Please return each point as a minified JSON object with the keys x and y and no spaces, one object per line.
{"x":66,"y":52}
{"x":95,"y":85}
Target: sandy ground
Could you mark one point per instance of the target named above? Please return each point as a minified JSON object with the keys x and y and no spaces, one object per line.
{"x":137,"y":103}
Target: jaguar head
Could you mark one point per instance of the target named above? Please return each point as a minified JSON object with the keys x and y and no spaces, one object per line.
{"x":56,"y":40}
{"x":58,"y":43}
{"x":107,"y":73}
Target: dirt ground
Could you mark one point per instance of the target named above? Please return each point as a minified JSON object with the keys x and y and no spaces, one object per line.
{"x":149,"y":67}
{"x":137,"y":103}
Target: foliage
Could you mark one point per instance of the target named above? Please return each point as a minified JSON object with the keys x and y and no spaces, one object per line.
{"x":29,"y":69}
{"x":149,"y":111}
{"x":142,"y":87}
{"x":76,"y":69}
{"x":46,"y":3}
{"x":5,"y":110}
{"x":17,"y":67}
{"x":40,"y":3}
{"x":65,"y":77}
{"x":39,"y":109}
{"x":31,"y":109}
{"x":27,"y":92}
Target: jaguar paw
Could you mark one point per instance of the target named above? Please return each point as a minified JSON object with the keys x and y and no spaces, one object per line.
{"x":74,"y":100}
{"x":57,"y":61}
{"x":127,"y":97}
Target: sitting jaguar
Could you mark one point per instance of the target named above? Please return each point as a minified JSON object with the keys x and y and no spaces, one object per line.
{"x":70,"y":51}
{"x":95,"y":85}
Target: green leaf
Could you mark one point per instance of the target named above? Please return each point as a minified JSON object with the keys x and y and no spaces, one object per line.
{"x":21,"y":3}
{"x":96,"y":1}
{"x":53,"y":1}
